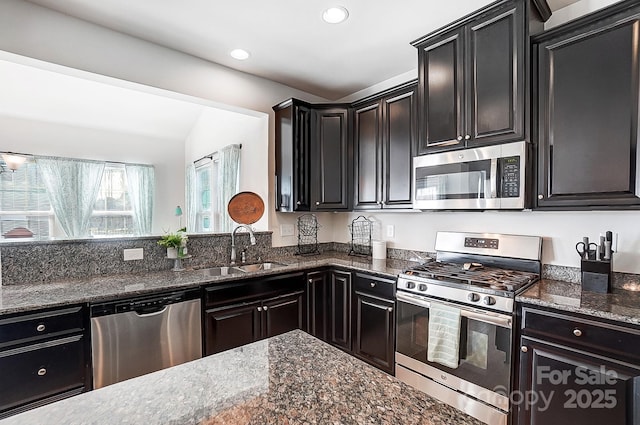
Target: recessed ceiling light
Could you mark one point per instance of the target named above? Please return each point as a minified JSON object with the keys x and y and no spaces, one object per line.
{"x":335,"y":15}
{"x":239,"y":54}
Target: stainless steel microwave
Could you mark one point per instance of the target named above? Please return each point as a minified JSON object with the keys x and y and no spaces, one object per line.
{"x":489,"y":177}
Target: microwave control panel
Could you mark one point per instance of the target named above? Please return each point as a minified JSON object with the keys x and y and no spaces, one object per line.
{"x":510,"y":177}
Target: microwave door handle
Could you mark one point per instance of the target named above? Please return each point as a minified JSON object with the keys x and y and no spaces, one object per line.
{"x":494,"y":178}
{"x":485,"y":317}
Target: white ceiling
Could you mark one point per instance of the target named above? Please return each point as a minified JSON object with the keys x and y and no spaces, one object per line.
{"x":288,"y":41}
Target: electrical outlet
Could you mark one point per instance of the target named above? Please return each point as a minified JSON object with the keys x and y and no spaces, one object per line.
{"x":287,"y":230}
{"x":133,"y":254}
{"x":391,"y":231}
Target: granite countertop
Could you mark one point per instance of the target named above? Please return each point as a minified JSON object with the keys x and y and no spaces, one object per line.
{"x":25,"y":297}
{"x":620,"y":305}
{"x":288,"y":379}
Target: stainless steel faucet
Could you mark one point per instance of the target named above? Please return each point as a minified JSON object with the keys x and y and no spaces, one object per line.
{"x":233,"y":241}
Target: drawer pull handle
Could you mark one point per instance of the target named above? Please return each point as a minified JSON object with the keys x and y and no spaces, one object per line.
{"x":259,"y":308}
{"x":265,"y":308}
{"x":524,"y":349}
{"x":42,"y":371}
{"x":373,"y":285}
{"x":389,"y":309}
{"x":40,"y":328}
{"x":577,"y":332}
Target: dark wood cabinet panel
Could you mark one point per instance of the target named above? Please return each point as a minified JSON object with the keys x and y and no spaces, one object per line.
{"x":340,"y":309}
{"x":573,"y":386}
{"x":373,"y":331}
{"x":588,"y":97}
{"x":282,"y":314}
{"x":331,"y":160}
{"x":473,"y":80}
{"x":230,"y":327}
{"x":495,"y":94}
{"x":293,"y":156}
{"x":367,"y":140}
{"x":316,"y":305}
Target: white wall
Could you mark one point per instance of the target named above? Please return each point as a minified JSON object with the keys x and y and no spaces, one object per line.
{"x":216,"y":129}
{"x":33,"y":31}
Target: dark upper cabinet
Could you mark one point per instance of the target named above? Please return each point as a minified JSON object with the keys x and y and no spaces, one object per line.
{"x":587,"y":109}
{"x":330,"y":159}
{"x":384,"y":131}
{"x":293,"y":156}
{"x":472,"y":81}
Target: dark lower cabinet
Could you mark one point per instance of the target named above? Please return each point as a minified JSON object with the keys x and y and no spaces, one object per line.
{"x":571,"y":370}
{"x":316,"y":303}
{"x":44,"y":357}
{"x":373,"y":330}
{"x":241,"y":312}
{"x":339,"y":319}
{"x":588,"y":98}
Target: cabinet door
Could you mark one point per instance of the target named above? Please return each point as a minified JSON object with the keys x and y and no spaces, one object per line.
{"x":230,"y":327}
{"x":571,"y":386}
{"x":495,"y":77}
{"x":399,"y":135}
{"x":331,"y":159}
{"x":588,"y":116}
{"x":316,"y":304}
{"x":373,"y":331}
{"x":367,"y":140}
{"x":302,"y":159}
{"x":41,"y":370}
{"x":441,"y":92}
{"x":282,"y":315}
{"x":340,"y":309}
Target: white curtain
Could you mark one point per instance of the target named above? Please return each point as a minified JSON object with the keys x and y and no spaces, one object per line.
{"x":228,"y":183}
{"x":72,"y":186}
{"x":141,"y":187}
{"x":191,"y":199}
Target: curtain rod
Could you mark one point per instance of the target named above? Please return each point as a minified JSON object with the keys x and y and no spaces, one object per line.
{"x":35,"y":157}
{"x":210,"y":156}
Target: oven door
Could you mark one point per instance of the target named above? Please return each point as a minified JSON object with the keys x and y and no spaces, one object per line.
{"x":484,"y":369}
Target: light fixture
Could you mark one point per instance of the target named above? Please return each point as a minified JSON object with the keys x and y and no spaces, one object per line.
{"x":13,"y":161}
{"x":335,"y":15}
{"x":239,"y":54}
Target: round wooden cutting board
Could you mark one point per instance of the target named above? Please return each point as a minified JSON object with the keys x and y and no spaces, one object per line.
{"x":246,"y":207}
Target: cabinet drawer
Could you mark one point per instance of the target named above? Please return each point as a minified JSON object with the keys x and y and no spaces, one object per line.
{"x":376,"y":286}
{"x":576,"y":331}
{"x":36,"y":326}
{"x":253,"y":289}
{"x":41,"y":370}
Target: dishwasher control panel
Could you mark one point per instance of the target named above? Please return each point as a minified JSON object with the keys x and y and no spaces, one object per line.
{"x":147,"y":304}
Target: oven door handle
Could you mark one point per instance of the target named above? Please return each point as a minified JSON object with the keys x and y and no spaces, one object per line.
{"x":491,"y":318}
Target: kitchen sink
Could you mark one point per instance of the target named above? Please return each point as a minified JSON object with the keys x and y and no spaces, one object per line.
{"x":260,"y":266}
{"x":221,"y":271}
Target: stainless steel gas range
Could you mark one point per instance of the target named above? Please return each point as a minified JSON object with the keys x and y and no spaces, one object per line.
{"x":468,"y":291}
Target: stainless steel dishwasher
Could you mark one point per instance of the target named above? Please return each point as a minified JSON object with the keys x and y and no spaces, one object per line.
{"x":141,"y":335}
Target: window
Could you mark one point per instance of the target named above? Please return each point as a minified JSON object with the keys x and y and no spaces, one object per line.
{"x":112,"y":214}
{"x":207,"y":218}
{"x":24,"y":202}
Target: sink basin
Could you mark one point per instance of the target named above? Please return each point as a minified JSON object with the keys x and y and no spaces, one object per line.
{"x":260,"y":266}
{"x":221,"y":271}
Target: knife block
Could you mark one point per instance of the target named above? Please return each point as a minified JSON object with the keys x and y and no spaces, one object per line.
{"x":596,"y":276}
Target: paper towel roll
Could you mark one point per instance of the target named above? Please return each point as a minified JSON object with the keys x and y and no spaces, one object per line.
{"x":378,"y":250}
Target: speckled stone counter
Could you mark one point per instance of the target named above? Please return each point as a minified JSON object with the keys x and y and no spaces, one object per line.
{"x":620,"y":305}
{"x":25,"y":297}
{"x":289,"y":379}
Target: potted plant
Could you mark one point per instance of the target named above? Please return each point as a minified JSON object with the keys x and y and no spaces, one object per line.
{"x":176,"y":243}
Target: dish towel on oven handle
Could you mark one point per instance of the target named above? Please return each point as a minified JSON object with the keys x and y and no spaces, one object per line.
{"x":443,"y":345}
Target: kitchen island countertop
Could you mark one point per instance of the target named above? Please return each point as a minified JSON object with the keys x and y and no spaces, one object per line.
{"x":620,"y":305}
{"x":293,"y":378}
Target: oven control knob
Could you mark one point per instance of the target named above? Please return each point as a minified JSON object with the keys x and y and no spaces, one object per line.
{"x":489,"y":300}
{"x":422,"y":287}
{"x":473,"y":297}
{"x":411,"y":285}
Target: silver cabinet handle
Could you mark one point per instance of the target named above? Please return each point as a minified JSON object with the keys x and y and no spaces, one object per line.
{"x":259,"y":308}
{"x":42,"y":371}
{"x":524,"y":349}
{"x":577,"y":332}
{"x":298,"y":203}
{"x":310,"y":280}
{"x":467,"y":137}
{"x":317,"y":203}
{"x":373,"y":285}
{"x":40,"y":328}
{"x":389,"y":309}
{"x":540,"y":196}
{"x":459,"y":138}
{"x":265,"y":308}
